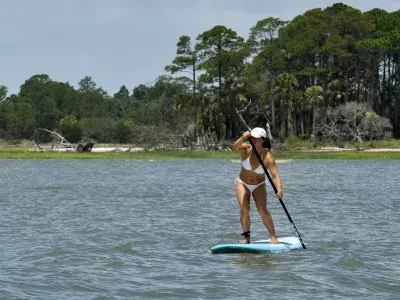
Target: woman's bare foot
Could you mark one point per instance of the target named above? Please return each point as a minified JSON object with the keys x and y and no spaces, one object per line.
{"x":274,"y":240}
{"x":245,"y":241}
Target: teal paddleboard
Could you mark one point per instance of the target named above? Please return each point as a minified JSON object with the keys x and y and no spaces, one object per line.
{"x":263,"y":246}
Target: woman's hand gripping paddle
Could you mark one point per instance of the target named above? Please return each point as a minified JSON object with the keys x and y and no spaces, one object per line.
{"x":276,"y":192}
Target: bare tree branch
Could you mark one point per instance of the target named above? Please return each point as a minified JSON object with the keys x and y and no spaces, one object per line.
{"x":244,"y":109}
{"x":239,"y":115}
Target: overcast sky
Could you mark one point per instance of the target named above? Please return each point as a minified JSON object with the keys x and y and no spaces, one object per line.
{"x":123,"y":42}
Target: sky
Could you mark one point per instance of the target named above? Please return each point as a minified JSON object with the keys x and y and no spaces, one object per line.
{"x":123,"y":42}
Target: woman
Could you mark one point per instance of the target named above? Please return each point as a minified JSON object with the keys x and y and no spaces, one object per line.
{"x":251,"y":180}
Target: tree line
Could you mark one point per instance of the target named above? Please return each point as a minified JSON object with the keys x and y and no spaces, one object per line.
{"x":328,"y":74}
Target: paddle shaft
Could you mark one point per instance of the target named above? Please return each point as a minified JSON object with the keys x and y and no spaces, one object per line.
{"x":276,"y":191}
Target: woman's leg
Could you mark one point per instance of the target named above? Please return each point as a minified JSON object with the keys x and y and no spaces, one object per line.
{"x":260,"y":198}
{"x":243,"y":197}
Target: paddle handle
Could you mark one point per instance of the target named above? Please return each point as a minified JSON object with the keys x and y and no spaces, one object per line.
{"x":276,"y":192}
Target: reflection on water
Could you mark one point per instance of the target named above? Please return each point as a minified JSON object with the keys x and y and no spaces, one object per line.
{"x":253,"y":261}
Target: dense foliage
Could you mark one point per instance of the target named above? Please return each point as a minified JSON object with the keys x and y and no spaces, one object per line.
{"x":328,"y":74}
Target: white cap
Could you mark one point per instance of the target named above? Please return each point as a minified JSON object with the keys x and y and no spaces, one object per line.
{"x":258,"y":133}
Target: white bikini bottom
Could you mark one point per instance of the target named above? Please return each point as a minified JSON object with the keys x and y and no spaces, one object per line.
{"x":250,"y":187}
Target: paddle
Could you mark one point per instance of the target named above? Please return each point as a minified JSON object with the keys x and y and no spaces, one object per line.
{"x":276,"y":191}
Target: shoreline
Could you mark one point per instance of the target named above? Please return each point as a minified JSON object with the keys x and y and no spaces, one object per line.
{"x":140,"y":153}
{"x":28,"y":150}
{"x":104,"y":148}
{"x":323,"y":149}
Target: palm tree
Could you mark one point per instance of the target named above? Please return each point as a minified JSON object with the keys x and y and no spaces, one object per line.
{"x":314,"y":100}
{"x":285,"y":90}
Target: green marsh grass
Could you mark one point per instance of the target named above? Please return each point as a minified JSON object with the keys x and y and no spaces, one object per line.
{"x":22,"y":153}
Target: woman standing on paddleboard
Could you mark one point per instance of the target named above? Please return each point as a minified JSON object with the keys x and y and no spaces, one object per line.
{"x":251,"y":180}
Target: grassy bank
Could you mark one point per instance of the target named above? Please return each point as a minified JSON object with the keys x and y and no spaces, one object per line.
{"x":297,"y":143}
{"x":20,"y":153}
{"x":336,"y":155}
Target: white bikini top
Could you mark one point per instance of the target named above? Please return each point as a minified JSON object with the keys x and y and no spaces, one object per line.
{"x":246,"y":164}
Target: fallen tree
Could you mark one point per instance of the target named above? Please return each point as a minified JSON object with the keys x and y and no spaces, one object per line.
{"x":59,"y":143}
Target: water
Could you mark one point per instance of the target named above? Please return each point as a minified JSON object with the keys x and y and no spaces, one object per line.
{"x":129,"y":229}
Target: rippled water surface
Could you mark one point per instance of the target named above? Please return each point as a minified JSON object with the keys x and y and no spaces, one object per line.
{"x":129,"y":229}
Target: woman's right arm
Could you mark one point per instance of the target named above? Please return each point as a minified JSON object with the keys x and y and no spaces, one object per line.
{"x":238,"y":145}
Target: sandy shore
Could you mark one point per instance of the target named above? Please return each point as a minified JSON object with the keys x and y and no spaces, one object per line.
{"x":382,"y":150}
{"x":329,"y":149}
{"x":116,"y":149}
{"x":322,"y":149}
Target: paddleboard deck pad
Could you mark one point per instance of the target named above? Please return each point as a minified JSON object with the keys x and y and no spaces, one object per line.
{"x":262,"y":246}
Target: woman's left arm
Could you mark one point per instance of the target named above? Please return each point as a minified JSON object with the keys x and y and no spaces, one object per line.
{"x":271,"y":165}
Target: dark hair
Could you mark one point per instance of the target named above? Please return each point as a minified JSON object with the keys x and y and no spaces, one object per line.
{"x":267,"y":143}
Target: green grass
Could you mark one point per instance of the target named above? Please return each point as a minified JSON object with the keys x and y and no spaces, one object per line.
{"x":391,"y":143}
{"x":336,"y":155}
{"x":21,"y":153}
{"x":293,"y":142}
{"x":18,"y":154}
